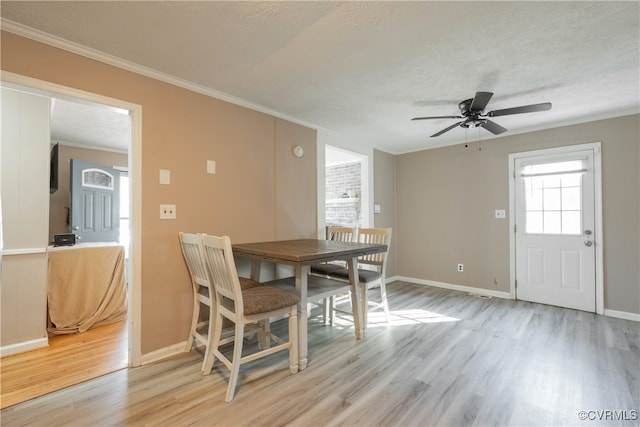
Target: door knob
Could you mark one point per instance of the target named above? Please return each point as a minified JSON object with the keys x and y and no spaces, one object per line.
{"x":75,"y":227}
{"x":588,"y":243}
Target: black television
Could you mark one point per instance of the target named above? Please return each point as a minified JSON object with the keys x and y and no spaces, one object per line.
{"x":53,"y":170}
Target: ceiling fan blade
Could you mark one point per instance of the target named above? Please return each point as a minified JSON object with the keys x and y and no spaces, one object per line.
{"x":446,"y":129}
{"x":493,"y":127}
{"x":438,"y":117}
{"x":545,"y":106}
{"x":480,"y":101}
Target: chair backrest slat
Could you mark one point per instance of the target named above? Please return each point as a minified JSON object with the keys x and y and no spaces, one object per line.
{"x":191,"y":251}
{"x":380,"y":236}
{"x":219,"y":260}
{"x":341,"y":234}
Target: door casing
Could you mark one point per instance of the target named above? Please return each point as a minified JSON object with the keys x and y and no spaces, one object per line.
{"x":598,"y":232}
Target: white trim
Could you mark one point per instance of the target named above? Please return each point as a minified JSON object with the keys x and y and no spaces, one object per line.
{"x":598,"y":230}
{"x":461,"y":288}
{"x":163,"y":353}
{"x":24,"y":346}
{"x":135,"y":168}
{"x":24,"y":251}
{"x":622,"y":315}
{"x":635,"y":317}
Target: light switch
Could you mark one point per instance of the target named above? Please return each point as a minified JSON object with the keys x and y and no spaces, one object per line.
{"x":211,"y":166}
{"x":165,"y":176}
{"x":376,"y":208}
{"x":501,"y":214}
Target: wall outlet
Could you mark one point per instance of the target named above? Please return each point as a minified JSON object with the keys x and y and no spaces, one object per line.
{"x":167,"y":211}
{"x":460,"y":268}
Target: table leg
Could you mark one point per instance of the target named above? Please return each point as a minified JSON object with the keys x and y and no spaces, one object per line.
{"x":352,"y":264}
{"x":302,"y":272}
{"x":255,"y":269}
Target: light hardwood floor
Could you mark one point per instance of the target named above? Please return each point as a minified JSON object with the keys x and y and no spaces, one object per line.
{"x":447,"y":358}
{"x":69,"y":359}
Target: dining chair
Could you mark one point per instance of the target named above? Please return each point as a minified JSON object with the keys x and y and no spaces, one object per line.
{"x":373,"y":276}
{"x":243,"y":307}
{"x":203,"y":313}
{"x":201,"y":329}
{"x":341,"y":234}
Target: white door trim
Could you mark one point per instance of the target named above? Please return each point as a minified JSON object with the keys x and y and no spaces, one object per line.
{"x":598,"y":232}
{"x":135,"y":183}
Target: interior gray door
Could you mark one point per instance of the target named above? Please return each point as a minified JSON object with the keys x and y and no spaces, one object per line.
{"x":95,"y":202}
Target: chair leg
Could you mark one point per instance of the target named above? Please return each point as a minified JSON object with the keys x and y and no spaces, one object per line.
{"x":326,"y":303}
{"x":364,"y":305}
{"x":235,"y":360}
{"x":383,"y":299}
{"x":207,"y":363}
{"x":293,"y":340}
{"x":194,"y":325}
{"x":210,"y":358}
{"x":332,"y":310}
{"x":264,"y":334}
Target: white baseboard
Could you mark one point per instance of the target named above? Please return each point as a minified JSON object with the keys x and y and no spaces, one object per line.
{"x":468,"y":289}
{"x":487,"y":292}
{"x":21,"y":347}
{"x":163,"y":353}
{"x":622,"y":315}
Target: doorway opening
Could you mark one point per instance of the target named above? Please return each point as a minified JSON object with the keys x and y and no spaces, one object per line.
{"x":346,"y":191}
{"x":130,"y":178}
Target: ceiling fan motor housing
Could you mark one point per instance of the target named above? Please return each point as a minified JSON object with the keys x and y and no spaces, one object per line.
{"x":465,"y":106}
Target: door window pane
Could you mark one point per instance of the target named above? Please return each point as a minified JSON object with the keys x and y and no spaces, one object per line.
{"x":553,"y":198}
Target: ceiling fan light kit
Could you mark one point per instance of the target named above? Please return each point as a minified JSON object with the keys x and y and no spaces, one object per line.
{"x":472,"y":109}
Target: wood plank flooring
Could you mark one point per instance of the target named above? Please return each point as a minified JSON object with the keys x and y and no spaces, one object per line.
{"x":69,"y":359}
{"x":447,"y":358}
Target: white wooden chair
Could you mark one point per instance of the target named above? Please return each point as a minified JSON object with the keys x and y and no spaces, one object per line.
{"x":203,"y":315}
{"x":367,"y":277}
{"x":341,"y":234}
{"x":377,"y":277}
{"x":201,"y":330}
{"x":243,"y":307}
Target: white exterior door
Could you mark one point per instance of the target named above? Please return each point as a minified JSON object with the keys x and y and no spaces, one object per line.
{"x":95,"y":202}
{"x":555,"y":233}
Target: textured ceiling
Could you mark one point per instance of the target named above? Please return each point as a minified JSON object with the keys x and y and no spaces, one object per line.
{"x":363,"y":69}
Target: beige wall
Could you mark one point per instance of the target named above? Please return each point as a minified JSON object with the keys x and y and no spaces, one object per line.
{"x":180,"y":131}
{"x":384,"y":194}
{"x":446,"y":199}
{"x":59,"y":201}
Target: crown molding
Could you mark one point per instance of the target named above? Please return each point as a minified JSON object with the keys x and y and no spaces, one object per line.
{"x":78,"y":49}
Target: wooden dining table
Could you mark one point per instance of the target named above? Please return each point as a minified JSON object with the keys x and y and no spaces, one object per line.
{"x":301,"y":254}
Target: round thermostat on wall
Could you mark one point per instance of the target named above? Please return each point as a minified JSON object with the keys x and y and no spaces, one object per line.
{"x":298,"y":151}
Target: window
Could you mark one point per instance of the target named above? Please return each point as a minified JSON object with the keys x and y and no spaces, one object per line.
{"x":553,"y":197}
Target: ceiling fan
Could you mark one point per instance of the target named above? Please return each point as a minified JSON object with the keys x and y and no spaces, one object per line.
{"x":472,"y":109}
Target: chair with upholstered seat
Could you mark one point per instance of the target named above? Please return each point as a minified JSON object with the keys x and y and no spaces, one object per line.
{"x":341,"y":234}
{"x":243,"y":307}
{"x":201,"y":329}
{"x":203,"y":315}
{"x":367,"y":277}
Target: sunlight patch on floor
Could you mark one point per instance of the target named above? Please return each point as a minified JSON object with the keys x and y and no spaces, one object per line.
{"x":399,"y":318}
